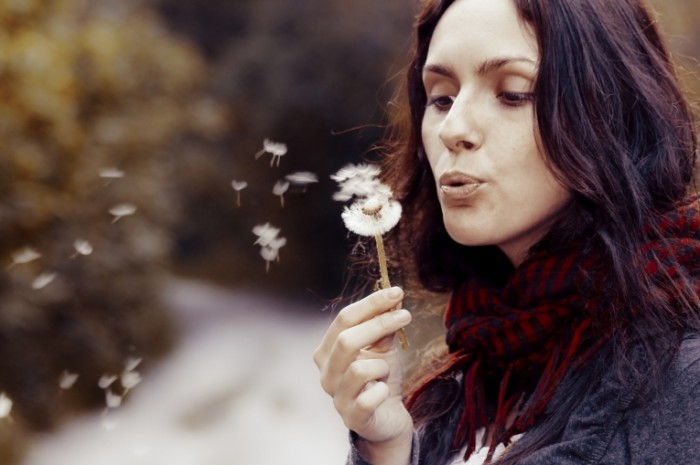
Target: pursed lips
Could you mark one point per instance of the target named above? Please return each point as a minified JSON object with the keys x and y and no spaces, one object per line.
{"x":456,"y":185}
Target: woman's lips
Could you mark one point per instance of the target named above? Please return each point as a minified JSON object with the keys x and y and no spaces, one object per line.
{"x":458,"y":186}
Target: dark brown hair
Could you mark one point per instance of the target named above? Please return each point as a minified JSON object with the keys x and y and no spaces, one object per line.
{"x":615,"y":129}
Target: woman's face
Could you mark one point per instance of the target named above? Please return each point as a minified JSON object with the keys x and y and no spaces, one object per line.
{"x":479,"y":131}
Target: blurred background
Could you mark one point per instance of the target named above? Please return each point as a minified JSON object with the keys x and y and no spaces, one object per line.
{"x":138,"y":321}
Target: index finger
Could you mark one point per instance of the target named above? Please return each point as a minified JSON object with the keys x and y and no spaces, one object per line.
{"x":374,"y":304}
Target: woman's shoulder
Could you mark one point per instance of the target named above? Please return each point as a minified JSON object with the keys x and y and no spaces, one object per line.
{"x":688,"y":359}
{"x":684,"y":374}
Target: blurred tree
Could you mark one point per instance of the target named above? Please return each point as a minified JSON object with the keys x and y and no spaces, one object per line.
{"x":311,"y":74}
{"x":680,"y":21}
{"x":91,"y":94}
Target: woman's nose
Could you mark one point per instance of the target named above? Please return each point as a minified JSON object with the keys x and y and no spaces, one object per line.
{"x":460,"y":128}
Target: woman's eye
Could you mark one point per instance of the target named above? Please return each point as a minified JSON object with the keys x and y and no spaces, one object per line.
{"x":515,"y":99}
{"x":441,"y":102}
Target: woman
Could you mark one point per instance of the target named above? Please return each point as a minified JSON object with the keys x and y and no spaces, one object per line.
{"x":544,"y":169}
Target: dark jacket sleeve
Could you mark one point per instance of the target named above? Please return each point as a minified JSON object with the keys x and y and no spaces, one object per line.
{"x":355,"y":458}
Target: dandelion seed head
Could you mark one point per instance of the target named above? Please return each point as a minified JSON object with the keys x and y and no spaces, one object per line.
{"x":25,"y":255}
{"x":5,"y":405}
{"x":67,"y":379}
{"x":301,"y":178}
{"x":83,"y":247}
{"x":266,"y":233}
{"x":111,"y":173}
{"x":43,"y":280}
{"x":277,"y":149}
{"x":130,"y":379}
{"x":371,"y":218}
{"x":280,"y":187}
{"x":269,"y":253}
{"x":277,"y":243}
{"x":239,"y":185}
{"x":106,"y":380}
{"x":112,"y":400}
{"x":132,"y":363}
{"x":122,"y":210}
{"x":362,"y":171}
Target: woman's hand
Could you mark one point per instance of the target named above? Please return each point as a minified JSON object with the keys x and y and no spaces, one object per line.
{"x":360,"y":369}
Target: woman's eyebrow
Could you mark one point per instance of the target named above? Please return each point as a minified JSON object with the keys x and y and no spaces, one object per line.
{"x":483,"y":69}
{"x":495,"y":63}
{"x":441,"y":70}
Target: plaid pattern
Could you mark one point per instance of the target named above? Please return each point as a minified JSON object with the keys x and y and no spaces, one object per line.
{"x":537,"y":327}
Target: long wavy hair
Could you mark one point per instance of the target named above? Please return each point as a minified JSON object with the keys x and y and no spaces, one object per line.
{"x":618,"y":133}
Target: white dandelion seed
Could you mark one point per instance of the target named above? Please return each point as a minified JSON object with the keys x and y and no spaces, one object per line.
{"x":122,"y":210}
{"x":130,"y":379}
{"x":132,"y":363}
{"x":372,"y":217}
{"x":279,"y":189}
{"x":106,"y":380}
{"x":112,"y":400}
{"x":269,"y":255}
{"x":111,"y":173}
{"x":359,"y":181}
{"x":276,"y":149}
{"x":24,"y":255}
{"x":302,"y":178}
{"x":5,"y":406}
{"x":238,"y":186}
{"x":277,"y":244}
{"x":361,"y":171}
{"x":82,"y":247}
{"x":43,"y":280}
{"x":67,"y":379}
{"x":266,"y":233}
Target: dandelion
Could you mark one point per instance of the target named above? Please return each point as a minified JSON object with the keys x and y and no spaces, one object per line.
{"x":276,"y":149}
{"x":132,"y":363}
{"x":111,"y":173}
{"x":372,"y":217}
{"x":280,"y":188}
{"x":43,"y":280}
{"x":269,"y":242}
{"x":122,"y":210}
{"x":374,"y":213}
{"x":82,"y":247}
{"x":106,"y":380}
{"x":269,"y":255}
{"x":5,"y":406}
{"x":112,"y":400}
{"x":24,"y":255}
{"x":67,"y":380}
{"x":302,"y":178}
{"x":277,"y":244}
{"x":238,"y":186}
{"x":130,"y":379}
{"x":359,"y":181}
{"x":266,"y":233}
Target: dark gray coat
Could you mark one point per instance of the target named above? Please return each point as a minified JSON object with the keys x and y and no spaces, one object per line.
{"x":607,"y":428}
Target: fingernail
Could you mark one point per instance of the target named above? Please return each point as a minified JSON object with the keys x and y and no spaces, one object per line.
{"x":402,"y":316}
{"x":394,"y":292}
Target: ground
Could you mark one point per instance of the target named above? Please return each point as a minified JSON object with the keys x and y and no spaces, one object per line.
{"x":240,"y":389}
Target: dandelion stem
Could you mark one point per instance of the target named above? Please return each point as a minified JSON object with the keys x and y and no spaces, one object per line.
{"x":385,"y":283}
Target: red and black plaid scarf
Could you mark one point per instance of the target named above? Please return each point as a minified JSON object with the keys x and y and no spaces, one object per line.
{"x":516,"y":343}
